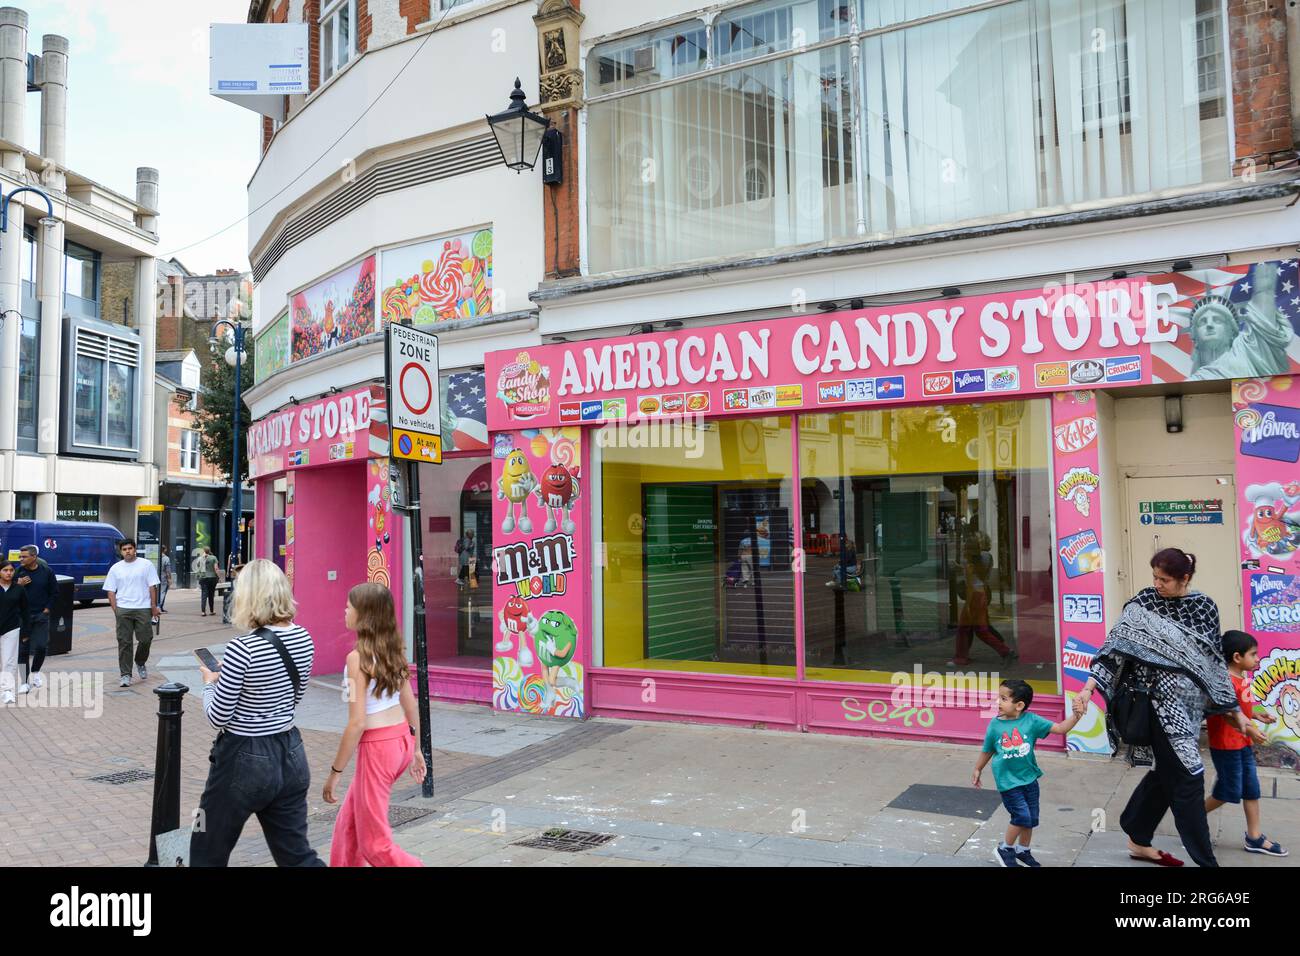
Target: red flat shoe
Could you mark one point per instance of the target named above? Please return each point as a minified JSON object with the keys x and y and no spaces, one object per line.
{"x":1163,"y":860}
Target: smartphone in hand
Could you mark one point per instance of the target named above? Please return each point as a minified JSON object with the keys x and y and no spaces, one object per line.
{"x":208,"y":660}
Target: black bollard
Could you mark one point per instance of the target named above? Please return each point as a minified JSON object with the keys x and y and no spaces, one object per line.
{"x":167,"y":766}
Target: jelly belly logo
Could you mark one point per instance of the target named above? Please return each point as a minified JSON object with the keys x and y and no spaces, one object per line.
{"x":1075,"y":435}
{"x":1005,"y":379}
{"x":571,"y":412}
{"x":524,"y":386}
{"x":1076,"y":659}
{"x":593,"y":411}
{"x":828,"y":392}
{"x":891,"y":387}
{"x":1124,"y":368}
{"x":1087,"y":372}
{"x":1275,"y":603}
{"x":1080,"y":553}
{"x":969,"y":380}
{"x":937,"y":383}
{"x":789,"y":395}
{"x":1049,"y":374}
{"x":1270,"y":431}
{"x":697,"y":402}
{"x":735,"y":399}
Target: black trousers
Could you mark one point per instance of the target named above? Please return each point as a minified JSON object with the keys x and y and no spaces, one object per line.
{"x":31,"y":652}
{"x":266,"y":776}
{"x":1170,"y":785}
{"x":208,"y":595}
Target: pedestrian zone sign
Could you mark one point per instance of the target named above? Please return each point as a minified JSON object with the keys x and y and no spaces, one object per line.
{"x":414,"y":414}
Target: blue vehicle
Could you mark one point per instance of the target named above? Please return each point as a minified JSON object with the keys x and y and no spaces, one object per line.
{"x":82,"y":550}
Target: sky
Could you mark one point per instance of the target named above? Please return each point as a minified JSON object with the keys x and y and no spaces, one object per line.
{"x":138,"y":96}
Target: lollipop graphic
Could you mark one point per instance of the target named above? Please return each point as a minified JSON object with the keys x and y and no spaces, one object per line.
{"x":441,"y":285}
{"x":1252,"y":391}
{"x":563,"y":452}
{"x":1248,"y":418}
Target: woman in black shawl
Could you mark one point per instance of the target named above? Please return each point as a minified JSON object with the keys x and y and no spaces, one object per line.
{"x":1169,"y":637}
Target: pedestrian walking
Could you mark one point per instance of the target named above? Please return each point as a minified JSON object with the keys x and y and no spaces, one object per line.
{"x":164,"y":578}
{"x":1009,"y":743}
{"x":381,"y":729}
{"x":14,"y":620}
{"x":132,"y":586}
{"x":228,"y":599}
{"x":40,"y":584}
{"x":468,"y":559}
{"x":207,"y":583}
{"x":258,"y":762}
{"x":1164,"y":660}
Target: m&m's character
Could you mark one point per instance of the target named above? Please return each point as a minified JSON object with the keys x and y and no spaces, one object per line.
{"x":558,"y":492}
{"x":555,"y":636}
{"x":515,"y":620}
{"x":516,"y":483}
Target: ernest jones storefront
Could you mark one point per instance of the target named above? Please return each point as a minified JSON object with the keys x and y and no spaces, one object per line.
{"x":843,"y":522}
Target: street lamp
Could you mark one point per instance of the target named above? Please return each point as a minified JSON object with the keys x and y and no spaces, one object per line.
{"x":47,"y":221}
{"x":521,"y":134}
{"x":235,"y":359}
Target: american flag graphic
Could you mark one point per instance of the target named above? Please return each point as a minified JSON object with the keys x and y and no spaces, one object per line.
{"x":465,"y":405}
{"x":1172,"y":361}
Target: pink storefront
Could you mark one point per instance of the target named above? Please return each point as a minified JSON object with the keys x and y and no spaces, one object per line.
{"x":859,"y":522}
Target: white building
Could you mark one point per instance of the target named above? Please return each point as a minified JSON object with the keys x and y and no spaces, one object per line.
{"x":76,"y":383}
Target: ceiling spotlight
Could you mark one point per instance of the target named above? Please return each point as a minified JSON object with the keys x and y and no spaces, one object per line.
{"x":951,"y":292}
{"x":671,"y":324}
{"x":1119,"y":274}
{"x":828,"y":306}
{"x":856,"y":303}
{"x":1182,"y":265}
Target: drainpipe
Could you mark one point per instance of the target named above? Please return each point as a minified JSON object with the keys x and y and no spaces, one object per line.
{"x":146,"y":323}
{"x":13,"y":102}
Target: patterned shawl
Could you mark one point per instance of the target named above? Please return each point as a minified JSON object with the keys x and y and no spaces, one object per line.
{"x":1173,"y":644}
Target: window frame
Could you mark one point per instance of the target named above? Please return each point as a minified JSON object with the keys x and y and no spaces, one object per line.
{"x":330,"y":66}
{"x":190,"y":453}
{"x":73,"y":300}
{"x":102,"y":345}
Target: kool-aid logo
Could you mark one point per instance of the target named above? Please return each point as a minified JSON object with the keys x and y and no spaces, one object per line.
{"x":969,"y":380}
{"x":891,"y":386}
{"x":1272,"y":431}
{"x":939,"y":383}
{"x":1076,"y":658}
{"x":1124,"y":368}
{"x":1003,"y":379}
{"x":830,"y":392}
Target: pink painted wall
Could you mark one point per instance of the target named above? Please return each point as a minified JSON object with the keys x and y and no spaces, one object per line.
{"x":330,"y":534}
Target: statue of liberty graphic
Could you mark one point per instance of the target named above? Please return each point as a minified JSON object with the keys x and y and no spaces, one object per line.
{"x":1247,"y":341}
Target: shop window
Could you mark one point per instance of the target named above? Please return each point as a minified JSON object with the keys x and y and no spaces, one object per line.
{"x":696,"y":526}
{"x":77,"y":508}
{"x":927,"y":540}
{"x":25,"y":506}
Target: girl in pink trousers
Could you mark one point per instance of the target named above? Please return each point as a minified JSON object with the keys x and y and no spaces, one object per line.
{"x":381,"y":730}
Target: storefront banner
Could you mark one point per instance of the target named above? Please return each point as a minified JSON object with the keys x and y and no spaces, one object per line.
{"x":1233,"y":322}
{"x":383,"y":559}
{"x":438,"y":280}
{"x":1267,"y":428}
{"x":540,"y":568}
{"x":345,"y":427}
{"x":1079,"y":555}
{"x":336,"y":310}
{"x":271,"y":349}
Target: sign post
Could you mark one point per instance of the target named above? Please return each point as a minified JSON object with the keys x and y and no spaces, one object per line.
{"x":415,"y":422}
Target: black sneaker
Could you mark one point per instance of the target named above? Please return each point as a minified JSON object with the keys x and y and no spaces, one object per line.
{"x":1006,"y":857}
{"x":1025,"y":858}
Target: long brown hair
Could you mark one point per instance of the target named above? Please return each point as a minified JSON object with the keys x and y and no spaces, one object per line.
{"x":379,"y":642}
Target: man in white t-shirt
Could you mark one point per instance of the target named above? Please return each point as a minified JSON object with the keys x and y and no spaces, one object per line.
{"x":132,"y":586}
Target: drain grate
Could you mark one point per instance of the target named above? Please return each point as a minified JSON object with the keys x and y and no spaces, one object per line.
{"x":567,"y":841}
{"x":493,"y":730}
{"x":123,"y":776}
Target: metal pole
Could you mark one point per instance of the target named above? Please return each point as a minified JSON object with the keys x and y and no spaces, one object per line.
{"x":167,"y":766}
{"x":237,"y":512}
{"x":420,"y":638}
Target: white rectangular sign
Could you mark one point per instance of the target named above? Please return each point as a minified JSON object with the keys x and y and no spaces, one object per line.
{"x":413,"y":382}
{"x":257,"y":59}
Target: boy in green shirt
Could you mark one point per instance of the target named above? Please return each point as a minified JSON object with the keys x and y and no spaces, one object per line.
{"x":1009,"y":743}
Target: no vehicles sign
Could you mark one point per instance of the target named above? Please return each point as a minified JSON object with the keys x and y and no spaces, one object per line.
{"x":413,"y":411}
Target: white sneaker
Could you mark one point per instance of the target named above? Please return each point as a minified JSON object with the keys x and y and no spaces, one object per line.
{"x":125,"y":681}
{"x":24,"y":688}
{"x":38,"y":680}
{"x":9,"y":697}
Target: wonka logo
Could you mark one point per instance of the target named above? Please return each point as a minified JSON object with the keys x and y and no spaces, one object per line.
{"x":969,"y":380}
{"x":1275,"y":435}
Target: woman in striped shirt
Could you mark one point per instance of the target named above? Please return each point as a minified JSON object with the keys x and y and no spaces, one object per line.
{"x":259,"y":765}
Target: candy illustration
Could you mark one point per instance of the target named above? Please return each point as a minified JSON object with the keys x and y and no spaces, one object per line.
{"x":558,"y":493}
{"x":532,"y":695}
{"x":515,"y":619}
{"x":1288,"y":707}
{"x":516,"y":483}
{"x":556,"y":638}
{"x":1271,"y":529}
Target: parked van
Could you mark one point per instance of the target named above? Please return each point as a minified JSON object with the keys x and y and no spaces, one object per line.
{"x":82,"y":550}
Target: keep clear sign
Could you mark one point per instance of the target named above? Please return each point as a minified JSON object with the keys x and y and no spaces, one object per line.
{"x":1193,"y":511}
{"x":413,"y":410}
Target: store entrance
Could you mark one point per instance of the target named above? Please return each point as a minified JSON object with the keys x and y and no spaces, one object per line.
{"x":1197,"y":513}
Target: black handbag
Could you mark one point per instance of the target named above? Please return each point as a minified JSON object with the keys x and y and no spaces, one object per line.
{"x":1130,"y":712}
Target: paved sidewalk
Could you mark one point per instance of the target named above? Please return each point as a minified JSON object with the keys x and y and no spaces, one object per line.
{"x":666,"y":794}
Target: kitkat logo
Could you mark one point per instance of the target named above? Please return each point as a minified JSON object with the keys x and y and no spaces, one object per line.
{"x":828,"y":392}
{"x":570,"y":412}
{"x":937,"y":383}
{"x":1075,"y":435}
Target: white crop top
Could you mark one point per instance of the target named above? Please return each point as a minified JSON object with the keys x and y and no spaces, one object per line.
{"x":376,"y":703}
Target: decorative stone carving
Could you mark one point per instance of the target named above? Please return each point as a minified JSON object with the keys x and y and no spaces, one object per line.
{"x":557,"y":48}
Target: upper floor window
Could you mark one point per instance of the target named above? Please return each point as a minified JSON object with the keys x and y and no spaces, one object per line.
{"x":81,"y":280}
{"x":104,"y":395}
{"x":760,"y":130}
{"x":189,"y":450}
{"x":337,"y":37}
{"x":28,"y":265}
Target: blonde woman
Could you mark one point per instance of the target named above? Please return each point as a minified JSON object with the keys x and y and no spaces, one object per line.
{"x":259,"y":765}
{"x":381,"y":731}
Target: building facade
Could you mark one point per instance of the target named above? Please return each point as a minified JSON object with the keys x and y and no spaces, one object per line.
{"x":76,"y":395}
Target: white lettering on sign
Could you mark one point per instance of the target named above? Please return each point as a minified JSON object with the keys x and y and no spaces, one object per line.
{"x":344,"y":414}
{"x":1270,"y":427}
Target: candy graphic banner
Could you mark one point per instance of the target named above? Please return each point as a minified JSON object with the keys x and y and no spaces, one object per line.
{"x":336,"y":310}
{"x":271,"y":350}
{"x":1080,"y":559}
{"x":438,"y":280}
{"x":1266,"y":421}
{"x":540,"y":569}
